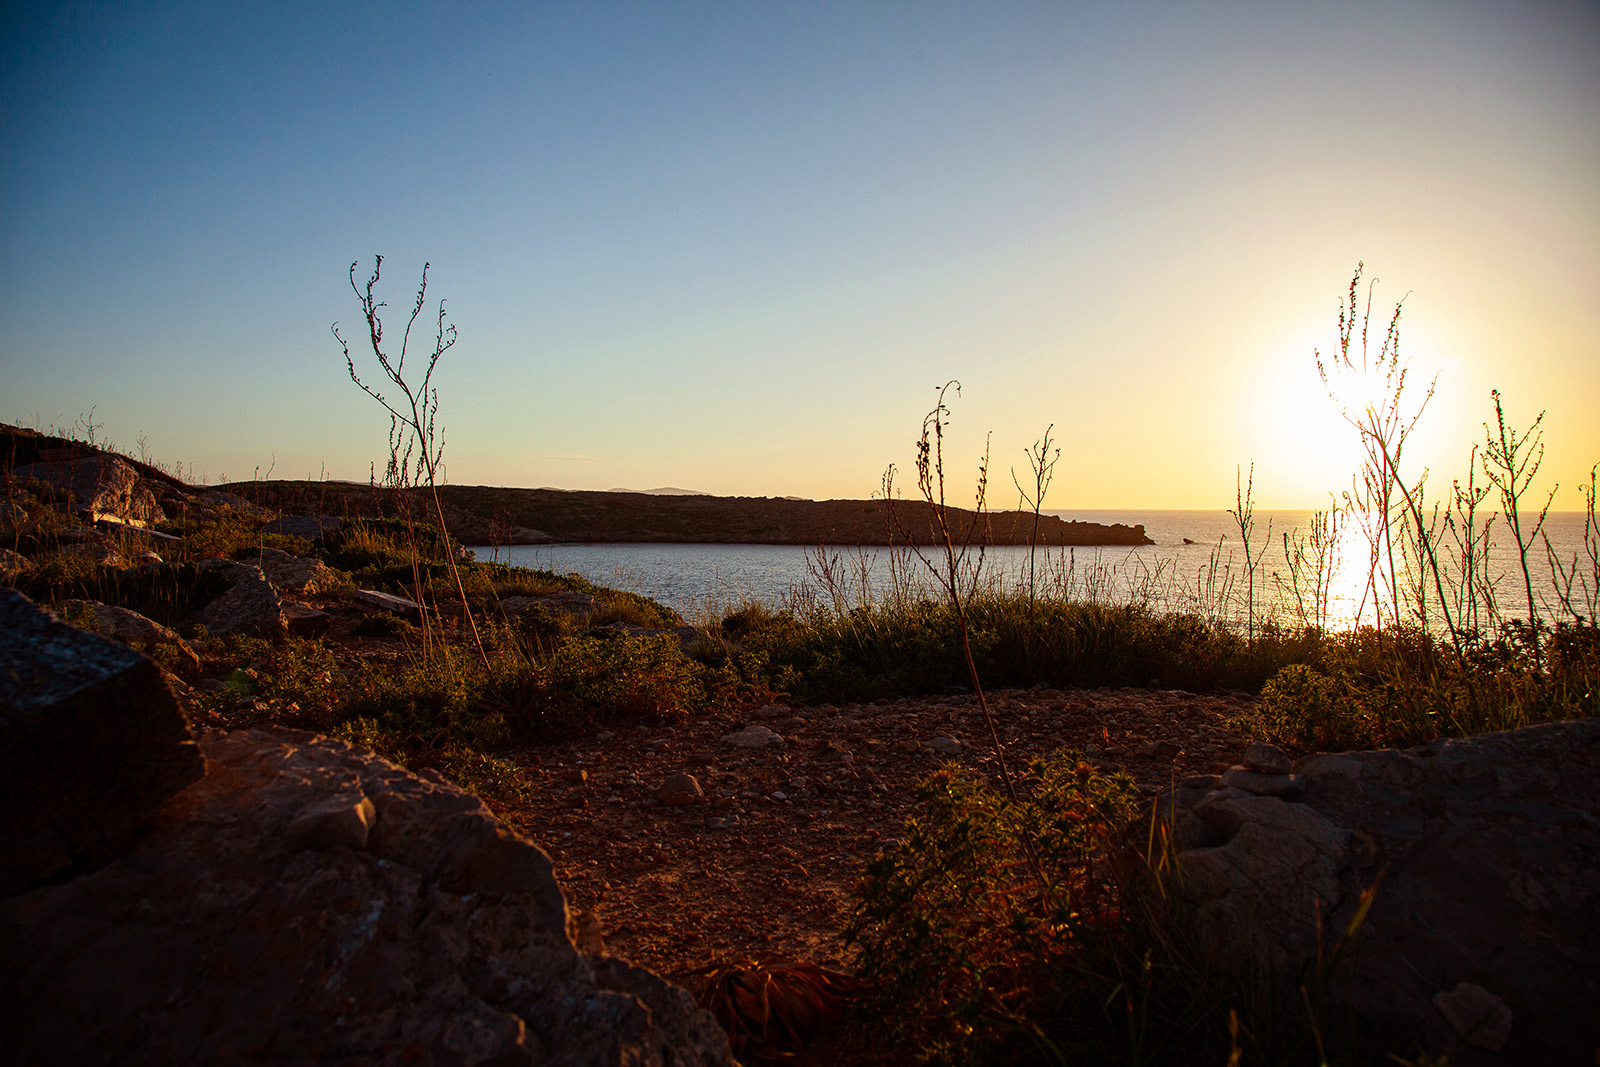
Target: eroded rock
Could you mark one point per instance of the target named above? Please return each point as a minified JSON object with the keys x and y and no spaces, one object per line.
{"x":1485,"y":855}
{"x":129,"y":627}
{"x":249,"y":606}
{"x":253,"y":922}
{"x":295,"y":574}
{"x":100,"y":486}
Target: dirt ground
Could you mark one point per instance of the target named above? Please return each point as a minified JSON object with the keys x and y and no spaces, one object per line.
{"x":764,"y":863}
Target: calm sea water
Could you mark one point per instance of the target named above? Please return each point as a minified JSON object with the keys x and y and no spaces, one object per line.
{"x":1197,"y":564}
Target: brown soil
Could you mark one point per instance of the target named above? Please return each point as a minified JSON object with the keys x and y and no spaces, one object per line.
{"x":766,"y":862}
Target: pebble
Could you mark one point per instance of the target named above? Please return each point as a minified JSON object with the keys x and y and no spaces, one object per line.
{"x":679,"y":790}
{"x":1164,"y":751}
{"x":753,"y":736}
{"x":945,"y":746}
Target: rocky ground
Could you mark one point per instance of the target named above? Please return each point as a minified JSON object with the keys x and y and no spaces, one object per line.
{"x":759,"y":853}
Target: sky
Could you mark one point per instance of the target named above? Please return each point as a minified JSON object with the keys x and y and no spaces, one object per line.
{"x":737,"y":247}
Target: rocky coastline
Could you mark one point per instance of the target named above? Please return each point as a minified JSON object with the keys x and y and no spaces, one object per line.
{"x":489,"y":515}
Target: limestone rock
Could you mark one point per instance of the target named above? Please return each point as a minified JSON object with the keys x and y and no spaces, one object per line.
{"x":234,"y":932}
{"x":752,"y":736}
{"x":1486,"y":847}
{"x":1268,"y":759}
{"x":129,"y":627}
{"x":344,"y":819}
{"x":945,"y":746}
{"x":13,"y":562}
{"x":249,"y":606}
{"x":680,"y":790}
{"x":294,"y":574}
{"x":395,"y":605}
{"x":305,"y":621}
{"x":101,"y":486}
{"x":91,"y":742}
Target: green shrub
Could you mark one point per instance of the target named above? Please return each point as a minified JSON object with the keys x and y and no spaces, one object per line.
{"x":1304,"y":710}
{"x":973,"y":960}
{"x":383,"y":624}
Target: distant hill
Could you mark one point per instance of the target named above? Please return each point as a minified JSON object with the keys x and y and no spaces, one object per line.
{"x":665,"y":490}
{"x":483,"y":515}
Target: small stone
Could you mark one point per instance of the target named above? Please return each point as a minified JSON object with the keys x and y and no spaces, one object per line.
{"x":344,"y":819}
{"x":304,"y":620}
{"x":1268,"y":759}
{"x":717,"y":822}
{"x":605,"y":735}
{"x":680,"y":790}
{"x":1482,"y":1019}
{"x":753,"y":736}
{"x":1163,"y":751}
{"x":397,"y":605}
{"x":945,"y":745}
{"x":773,"y":711}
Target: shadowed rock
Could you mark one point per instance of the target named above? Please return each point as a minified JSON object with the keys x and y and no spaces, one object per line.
{"x":1484,"y":929}
{"x":91,"y":742}
{"x":309,"y":902}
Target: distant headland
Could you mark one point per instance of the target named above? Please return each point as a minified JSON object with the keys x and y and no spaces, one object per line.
{"x":487,"y":515}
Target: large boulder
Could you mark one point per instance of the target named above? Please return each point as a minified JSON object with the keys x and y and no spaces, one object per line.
{"x":309,"y":902}
{"x":296,"y":574}
{"x":101,"y":486}
{"x":91,"y":742}
{"x":249,"y":606}
{"x":1484,"y":930}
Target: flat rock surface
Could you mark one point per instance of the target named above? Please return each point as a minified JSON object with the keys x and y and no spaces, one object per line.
{"x":308,"y":902}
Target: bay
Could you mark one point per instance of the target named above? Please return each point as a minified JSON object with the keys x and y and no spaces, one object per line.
{"x":1197,"y":565}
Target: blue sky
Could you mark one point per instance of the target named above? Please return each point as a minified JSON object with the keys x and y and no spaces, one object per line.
{"x":735,"y":247}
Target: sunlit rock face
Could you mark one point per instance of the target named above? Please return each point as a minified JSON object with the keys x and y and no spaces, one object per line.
{"x":100,"y":486}
{"x":1485,"y":852}
{"x":309,"y":902}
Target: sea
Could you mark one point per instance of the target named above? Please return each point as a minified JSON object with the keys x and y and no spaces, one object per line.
{"x":1198,"y":564}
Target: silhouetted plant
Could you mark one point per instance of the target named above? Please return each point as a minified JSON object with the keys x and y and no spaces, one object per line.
{"x":414,"y":417}
{"x":1042,"y":457}
{"x":1511,"y":461}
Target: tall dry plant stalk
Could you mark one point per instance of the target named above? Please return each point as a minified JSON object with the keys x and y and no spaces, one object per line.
{"x":1312,"y":560}
{"x":1511,"y":461}
{"x":1042,"y":457}
{"x":957,"y":572}
{"x":1243,"y":512}
{"x":413,"y":417}
{"x":1471,"y":583}
{"x":1583,"y":570}
{"x":1379,"y":417}
{"x":1368,"y":388}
